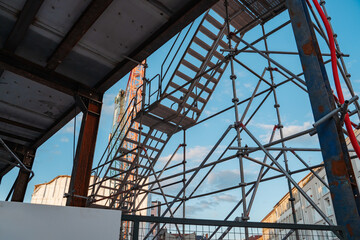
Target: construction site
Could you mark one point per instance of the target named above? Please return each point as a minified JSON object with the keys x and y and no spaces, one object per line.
{"x":179,"y":120}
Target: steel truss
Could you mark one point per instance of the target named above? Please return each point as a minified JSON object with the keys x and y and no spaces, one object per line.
{"x":159,"y":120}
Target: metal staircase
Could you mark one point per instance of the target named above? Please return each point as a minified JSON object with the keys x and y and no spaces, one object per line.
{"x":179,"y":106}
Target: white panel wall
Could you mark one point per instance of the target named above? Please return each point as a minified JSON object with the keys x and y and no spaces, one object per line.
{"x":19,"y":221}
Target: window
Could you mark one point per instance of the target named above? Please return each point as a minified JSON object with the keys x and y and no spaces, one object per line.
{"x":324,"y":190}
{"x":309,"y":193}
{"x":320,"y":192}
{"x":328,"y":206}
{"x":316,"y":216}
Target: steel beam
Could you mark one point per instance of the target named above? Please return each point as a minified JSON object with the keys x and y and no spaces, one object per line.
{"x":78,"y":30}
{"x":21,"y":125}
{"x":179,"y":20}
{"x":81,"y":172}
{"x":23,"y":177}
{"x":25,"y":19}
{"x":343,"y":187}
{"x":39,"y":74}
{"x":23,"y":22}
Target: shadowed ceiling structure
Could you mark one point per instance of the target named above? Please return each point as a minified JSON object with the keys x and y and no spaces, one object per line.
{"x":53,"y":52}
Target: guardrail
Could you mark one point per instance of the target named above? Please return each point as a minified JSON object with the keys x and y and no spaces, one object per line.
{"x":203,"y":229}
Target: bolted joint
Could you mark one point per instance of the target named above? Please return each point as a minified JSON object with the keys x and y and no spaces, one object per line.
{"x":292,"y":199}
{"x":145,"y":65}
{"x":348,"y":75}
{"x":238,"y":124}
{"x":242,"y":184}
{"x":245,"y":218}
{"x":184,"y":162}
{"x":239,"y":153}
{"x":313,"y":132}
{"x":322,"y":2}
{"x":279,"y":126}
{"x":235,"y":100}
{"x":232,"y":77}
{"x":276,"y":105}
{"x":183,"y":180}
{"x":272,"y":69}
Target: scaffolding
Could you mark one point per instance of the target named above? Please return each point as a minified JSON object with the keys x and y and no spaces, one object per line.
{"x":217,"y":44}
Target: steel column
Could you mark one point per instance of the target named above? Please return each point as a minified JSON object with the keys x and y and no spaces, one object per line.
{"x":81,"y":172}
{"x":23,"y":177}
{"x":343,"y":188}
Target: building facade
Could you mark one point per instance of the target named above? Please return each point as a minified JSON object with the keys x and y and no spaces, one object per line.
{"x":305,"y":213}
{"x":53,"y":192}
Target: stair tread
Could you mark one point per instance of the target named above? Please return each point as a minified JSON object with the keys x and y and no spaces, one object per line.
{"x":156,"y":123}
{"x":213,"y":21}
{"x":134,"y":153}
{"x":147,"y":135}
{"x":196,"y":55}
{"x":190,"y":65}
{"x":207,"y":32}
{"x":167,"y":112}
{"x":185,"y":104}
{"x":202,"y":44}
{"x":183,"y":90}
{"x":146,"y":146}
{"x":199,"y":85}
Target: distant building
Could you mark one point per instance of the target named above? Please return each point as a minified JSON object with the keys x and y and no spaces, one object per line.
{"x":52,"y":193}
{"x":155,"y":212}
{"x":306,"y":213}
{"x":164,"y":235}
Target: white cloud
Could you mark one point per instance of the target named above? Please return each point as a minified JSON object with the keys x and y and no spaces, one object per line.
{"x":287,"y":130}
{"x":201,"y":206}
{"x":64,"y":139}
{"x":249,"y":86}
{"x":69,"y":128}
{"x":108,"y":104}
{"x":225,"y":198}
{"x":224,"y":178}
{"x":195,"y":154}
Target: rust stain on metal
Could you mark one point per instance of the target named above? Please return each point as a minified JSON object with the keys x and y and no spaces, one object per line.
{"x":298,"y":24}
{"x":338,"y":168}
{"x":308,"y":48}
{"x":348,"y":227}
{"x":321,"y":108}
{"x":291,"y":13}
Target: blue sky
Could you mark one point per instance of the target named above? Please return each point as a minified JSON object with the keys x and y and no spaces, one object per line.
{"x":55,"y":156}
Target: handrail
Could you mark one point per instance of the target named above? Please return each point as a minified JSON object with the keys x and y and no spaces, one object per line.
{"x":20,"y":164}
{"x":131,"y":104}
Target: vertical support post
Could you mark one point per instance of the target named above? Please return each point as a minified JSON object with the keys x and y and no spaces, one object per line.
{"x":343,"y":187}
{"x":135,"y":235}
{"x":184,"y":180}
{"x":23,"y":177}
{"x":81,"y":172}
{"x":237,"y":123}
